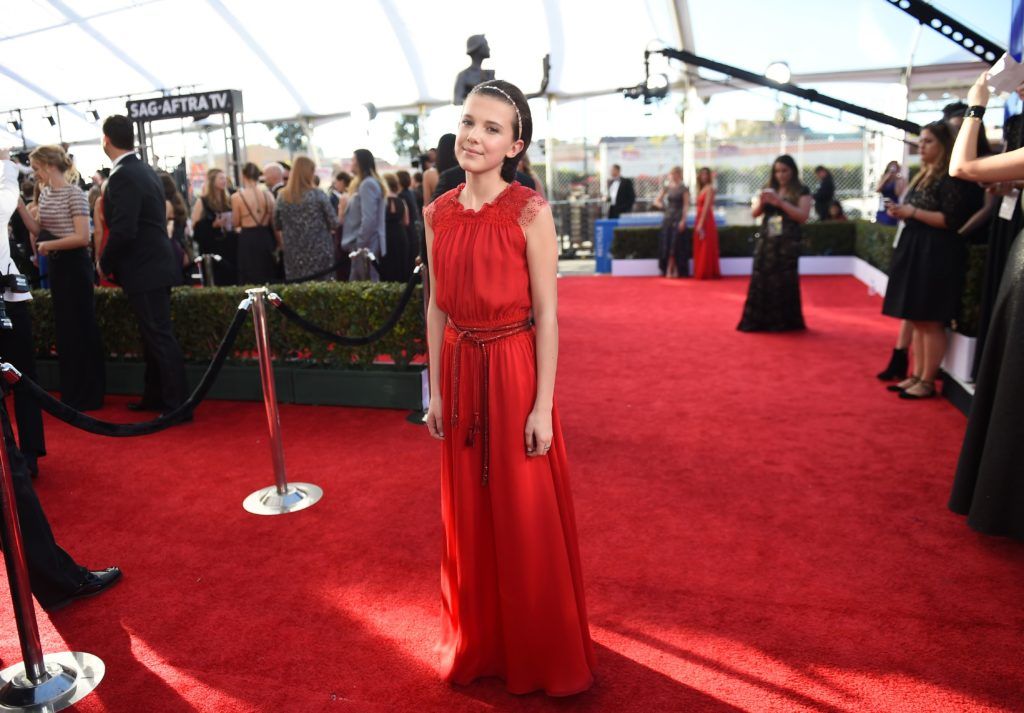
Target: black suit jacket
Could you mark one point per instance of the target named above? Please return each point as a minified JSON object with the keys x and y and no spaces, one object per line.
{"x":138,"y":253}
{"x":624,"y":199}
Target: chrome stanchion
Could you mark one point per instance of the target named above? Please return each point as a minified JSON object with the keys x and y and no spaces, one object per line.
{"x":206,"y":261}
{"x":282,"y":497}
{"x":40,"y":683}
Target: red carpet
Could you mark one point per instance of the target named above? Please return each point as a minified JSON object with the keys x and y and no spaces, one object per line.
{"x":763,"y":528}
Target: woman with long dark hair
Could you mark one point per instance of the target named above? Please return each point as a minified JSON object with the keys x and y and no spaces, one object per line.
{"x":929,"y":261}
{"x":62,"y":235}
{"x":364,"y":220}
{"x":705,"y":231}
{"x":773,"y":298}
{"x":177,"y":218}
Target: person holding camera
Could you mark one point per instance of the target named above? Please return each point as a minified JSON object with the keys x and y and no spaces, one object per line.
{"x":62,"y":236}
{"x":16,"y":343}
{"x":773,"y":298}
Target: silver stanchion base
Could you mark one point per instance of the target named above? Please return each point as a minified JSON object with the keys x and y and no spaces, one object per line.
{"x":267,"y":501}
{"x":73,"y":676}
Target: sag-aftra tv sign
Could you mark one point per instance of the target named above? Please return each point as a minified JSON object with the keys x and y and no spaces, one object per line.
{"x":226,"y":101}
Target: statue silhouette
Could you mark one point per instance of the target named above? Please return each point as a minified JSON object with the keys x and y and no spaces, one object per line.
{"x":478,"y":50}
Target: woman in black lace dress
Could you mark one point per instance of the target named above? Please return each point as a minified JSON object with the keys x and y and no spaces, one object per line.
{"x":773,"y":299}
{"x":989,"y":483}
{"x":675,"y":245}
{"x":929,"y":261}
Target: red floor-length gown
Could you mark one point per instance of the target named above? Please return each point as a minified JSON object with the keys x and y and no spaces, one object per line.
{"x":511,"y":583}
{"x":705,"y":252}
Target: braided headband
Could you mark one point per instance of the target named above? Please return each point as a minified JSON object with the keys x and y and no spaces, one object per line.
{"x":502,"y":92}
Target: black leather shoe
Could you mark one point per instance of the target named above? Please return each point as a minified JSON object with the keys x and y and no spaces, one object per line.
{"x":95,"y":583}
{"x":143,"y":406}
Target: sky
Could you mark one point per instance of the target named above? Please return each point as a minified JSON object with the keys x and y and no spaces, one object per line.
{"x":392,"y":51}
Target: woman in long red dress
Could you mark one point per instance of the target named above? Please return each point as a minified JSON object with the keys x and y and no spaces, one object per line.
{"x":705,"y":233}
{"x":511,"y":583}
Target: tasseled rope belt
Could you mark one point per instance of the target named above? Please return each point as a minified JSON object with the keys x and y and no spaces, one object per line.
{"x":481,"y":337}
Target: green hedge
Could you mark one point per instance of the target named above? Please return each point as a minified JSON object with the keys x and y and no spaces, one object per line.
{"x":201,"y":315}
{"x":871,"y":242}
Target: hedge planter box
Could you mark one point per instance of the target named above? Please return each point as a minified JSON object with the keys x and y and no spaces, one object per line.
{"x":377,"y":386}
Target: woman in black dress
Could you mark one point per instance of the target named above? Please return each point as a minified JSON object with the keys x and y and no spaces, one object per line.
{"x":989,"y":483}
{"x":177,"y":217}
{"x":929,"y":261}
{"x":773,"y":299}
{"x":675,"y":246}
{"x":396,"y":232}
{"x":211,"y":227}
{"x":252,"y":210}
{"x":62,"y":235}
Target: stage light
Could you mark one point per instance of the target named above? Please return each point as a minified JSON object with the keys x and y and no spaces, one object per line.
{"x":15,"y":124}
{"x":778,"y":72}
{"x":95,"y":114}
{"x":49,"y":118}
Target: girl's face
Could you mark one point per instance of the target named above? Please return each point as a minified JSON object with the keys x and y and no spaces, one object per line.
{"x":783,"y":173}
{"x":929,"y":147}
{"x":675,"y":176}
{"x":43,"y":172}
{"x":221,"y":182}
{"x":486,"y":134}
{"x":355,"y":167}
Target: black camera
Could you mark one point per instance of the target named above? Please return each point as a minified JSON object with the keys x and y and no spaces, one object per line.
{"x":21,"y":157}
{"x":15,"y":283}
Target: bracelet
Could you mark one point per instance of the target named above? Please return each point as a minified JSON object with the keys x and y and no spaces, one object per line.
{"x":974,"y":112}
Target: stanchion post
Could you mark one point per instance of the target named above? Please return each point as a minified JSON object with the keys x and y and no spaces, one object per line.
{"x":206,"y":261}
{"x":282,"y":497}
{"x":52,"y":682}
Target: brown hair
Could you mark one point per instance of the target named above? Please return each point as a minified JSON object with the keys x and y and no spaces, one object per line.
{"x":216,"y":199}
{"x":931,"y":173}
{"x":392,"y":181}
{"x":51,"y":156}
{"x":300,"y":179}
{"x":700,"y":172}
{"x":251,"y":171}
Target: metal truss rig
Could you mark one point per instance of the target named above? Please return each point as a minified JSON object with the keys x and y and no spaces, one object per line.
{"x":984,"y":48}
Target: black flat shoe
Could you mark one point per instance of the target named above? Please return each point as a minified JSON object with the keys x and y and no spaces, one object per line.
{"x":903,"y":385}
{"x":32,"y":464}
{"x":929,"y":391}
{"x":95,"y":583}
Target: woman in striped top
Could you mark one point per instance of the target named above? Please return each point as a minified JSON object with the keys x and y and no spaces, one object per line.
{"x":61,"y":233}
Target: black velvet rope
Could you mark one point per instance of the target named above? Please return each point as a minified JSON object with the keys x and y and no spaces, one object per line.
{"x":294,"y":317}
{"x":76,"y":418}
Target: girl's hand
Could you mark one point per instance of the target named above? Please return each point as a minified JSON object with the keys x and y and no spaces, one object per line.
{"x":43,"y":248}
{"x":435,"y":418}
{"x":978,"y":94}
{"x":700,"y":233}
{"x":682,"y":225}
{"x":538,"y":433}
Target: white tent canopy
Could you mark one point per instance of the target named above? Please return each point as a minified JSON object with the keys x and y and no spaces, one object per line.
{"x":314,"y":58}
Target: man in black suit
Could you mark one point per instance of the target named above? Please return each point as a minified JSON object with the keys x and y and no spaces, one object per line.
{"x":56,"y":579}
{"x":620,"y":193}
{"x":139,"y":256}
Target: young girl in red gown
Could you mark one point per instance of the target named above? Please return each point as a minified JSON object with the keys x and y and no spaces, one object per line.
{"x":511,"y":584}
{"x":705,"y":232}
